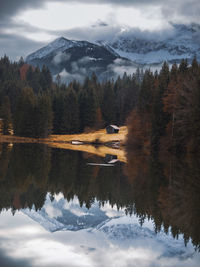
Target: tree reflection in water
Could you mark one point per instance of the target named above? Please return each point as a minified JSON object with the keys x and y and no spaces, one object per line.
{"x":167,"y":189}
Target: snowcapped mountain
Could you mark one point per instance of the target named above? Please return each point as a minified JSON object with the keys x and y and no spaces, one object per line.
{"x":77,"y":59}
{"x":128,"y":50}
{"x":59,"y":45}
{"x":182,"y":41}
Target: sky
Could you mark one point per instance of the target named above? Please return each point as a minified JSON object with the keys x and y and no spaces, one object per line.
{"x":27,"y":25}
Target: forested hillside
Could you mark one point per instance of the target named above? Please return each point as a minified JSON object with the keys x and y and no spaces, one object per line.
{"x":167,"y":116}
{"x":164,"y":106}
{"x":32,"y":105}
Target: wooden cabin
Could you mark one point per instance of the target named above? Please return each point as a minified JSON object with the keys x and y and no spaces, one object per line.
{"x":112,"y":129}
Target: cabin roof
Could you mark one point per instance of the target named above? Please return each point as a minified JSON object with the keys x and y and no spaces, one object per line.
{"x":114,"y":126}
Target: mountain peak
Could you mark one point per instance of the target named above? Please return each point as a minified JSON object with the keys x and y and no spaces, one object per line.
{"x":59,"y":45}
{"x":60,"y":39}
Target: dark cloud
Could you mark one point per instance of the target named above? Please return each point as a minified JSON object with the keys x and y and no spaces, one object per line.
{"x":9,"y":8}
{"x":185,"y":11}
{"x":6,"y":261}
{"x":191,"y":8}
{"x":16,"y":46}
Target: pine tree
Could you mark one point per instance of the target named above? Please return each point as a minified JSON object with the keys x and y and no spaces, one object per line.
{"x":108,"y":104}
{"x":70,"y":116}
{"x":145,"y":98}
{"x":183,"y":67}
{"x":58,"y":110}
{"x":45,"y":79}
{"x":23,"y":118}
{"x":159,"y":118}
{"x":87,"y":105}
{"x":6,"y":115}
{"x":43,"y":116}
{"x":58,"y":80}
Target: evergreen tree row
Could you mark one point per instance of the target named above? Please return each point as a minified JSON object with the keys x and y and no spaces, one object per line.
{"x":32,"y":105}
{"x":167,"y":116}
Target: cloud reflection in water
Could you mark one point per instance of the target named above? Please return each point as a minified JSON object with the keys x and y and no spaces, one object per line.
{"x":118,"y":240}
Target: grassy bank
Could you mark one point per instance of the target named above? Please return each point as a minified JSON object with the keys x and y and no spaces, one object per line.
{"x":64,"y":142}
{"x":96,"y":137}
{"x":99,"y":137}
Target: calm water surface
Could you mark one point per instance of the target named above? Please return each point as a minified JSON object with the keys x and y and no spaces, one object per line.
{"x":59,"y":210}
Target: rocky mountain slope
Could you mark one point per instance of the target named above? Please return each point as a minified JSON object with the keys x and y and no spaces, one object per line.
{"x":182,"y":41}
{"x":127,"y":51}
{"x":77,"y":59}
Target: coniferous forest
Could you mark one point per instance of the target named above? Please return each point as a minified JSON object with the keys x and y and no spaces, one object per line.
{"x":167,"y":116}
{"x":164,"y":106}
{"x":35,"y":106}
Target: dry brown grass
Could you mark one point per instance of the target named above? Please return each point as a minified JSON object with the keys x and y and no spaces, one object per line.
{"x":63,"y":142}
{"x":101,"y":136}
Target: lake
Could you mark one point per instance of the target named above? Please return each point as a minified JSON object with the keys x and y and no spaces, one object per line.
{"x":65,"y":208}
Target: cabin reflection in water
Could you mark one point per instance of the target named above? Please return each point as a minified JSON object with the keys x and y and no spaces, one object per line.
{"x":166,"y":190}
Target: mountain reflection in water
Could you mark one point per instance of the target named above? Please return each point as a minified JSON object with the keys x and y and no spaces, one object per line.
{"x":145,"y":209}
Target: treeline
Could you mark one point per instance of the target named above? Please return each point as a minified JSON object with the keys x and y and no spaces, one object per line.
{"x":32,"y":105}
{"x":167,"y":116}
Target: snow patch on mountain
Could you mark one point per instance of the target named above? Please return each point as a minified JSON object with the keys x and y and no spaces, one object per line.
{"x":152,"y":57}
{"x":130,"y":234}
{"x":125,"y":52}
{"x":48,"y":223}
{"x":59,"y":45}
{"x":60,"y":215}
{"x":112,"y":227}
{"x":181,"y":41}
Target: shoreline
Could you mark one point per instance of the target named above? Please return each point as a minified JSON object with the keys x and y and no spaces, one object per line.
{"x":99,"y":137}
{"x":99,"y":142}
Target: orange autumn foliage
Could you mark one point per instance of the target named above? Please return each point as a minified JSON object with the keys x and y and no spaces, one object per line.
{"x":23,"y":71}
{"x":139,"y":131}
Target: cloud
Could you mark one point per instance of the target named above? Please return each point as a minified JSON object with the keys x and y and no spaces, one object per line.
{"x":100,"y":23}
{"x":120,"y":66}
{"x":91,"y":34}
{"x":186,"y":8}
{"x":10,"y":8}
{"x":78,"y":70}
{"x":16,"y":46}
{"x":7,"y":261}
{"x":15,"y":36}
{"x":60,"y":57}
{"x":67,"y":77}
{"x":185,"y":11}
